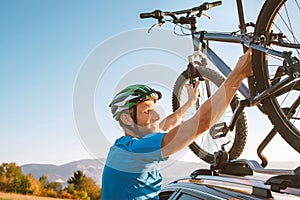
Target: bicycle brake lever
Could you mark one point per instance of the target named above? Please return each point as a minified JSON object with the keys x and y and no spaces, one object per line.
{"x":206,"y":15}
{"x":154,"y":25}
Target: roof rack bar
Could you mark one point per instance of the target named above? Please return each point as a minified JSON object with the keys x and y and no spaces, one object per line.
{"x":290,"y":190}
{"x":240,"y":181}
{"x":256,"y":167}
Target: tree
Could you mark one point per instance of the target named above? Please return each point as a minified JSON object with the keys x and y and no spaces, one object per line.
{"x":52,"y":189}
{"x":36,"y":187}
{"x":3,"y":179}
{"x":23,"y":186}
{"x":44,"y":181}
{"x":12,"y":179}
{"x":81,"y":185}
{"x":77,"y":179}
{"x":56,"y":186}
{"x":89,"y":185}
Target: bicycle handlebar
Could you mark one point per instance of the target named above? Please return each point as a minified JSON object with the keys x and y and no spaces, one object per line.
{"x":158,"y":14}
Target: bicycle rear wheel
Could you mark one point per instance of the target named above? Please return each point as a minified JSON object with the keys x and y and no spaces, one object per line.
{"x":205,"y":145}
{"x":282,"y":108}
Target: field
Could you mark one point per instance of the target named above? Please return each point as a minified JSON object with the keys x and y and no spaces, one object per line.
{"x":10,"y":196}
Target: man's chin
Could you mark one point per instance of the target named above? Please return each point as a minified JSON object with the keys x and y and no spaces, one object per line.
{"x":154,"y":129}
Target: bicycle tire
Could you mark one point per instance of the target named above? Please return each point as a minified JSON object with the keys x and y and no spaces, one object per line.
{"x":270,"y":20}
{"x":237,"y":137}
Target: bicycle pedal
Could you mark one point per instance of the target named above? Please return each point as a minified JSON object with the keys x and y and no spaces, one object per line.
{"x":218,"y":130}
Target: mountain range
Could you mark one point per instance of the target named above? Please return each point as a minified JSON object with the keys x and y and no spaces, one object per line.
{"x":93,"y":168}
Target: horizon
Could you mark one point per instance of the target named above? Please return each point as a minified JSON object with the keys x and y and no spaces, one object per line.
{"x":271,"y":163}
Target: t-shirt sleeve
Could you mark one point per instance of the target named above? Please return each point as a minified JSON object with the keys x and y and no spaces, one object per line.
{"x":151,"y":145}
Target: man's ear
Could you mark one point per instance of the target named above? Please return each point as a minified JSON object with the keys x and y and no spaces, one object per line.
{"x":126,"y":119}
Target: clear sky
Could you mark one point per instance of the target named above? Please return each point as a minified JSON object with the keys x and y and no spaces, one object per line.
{"x":45,"y":47}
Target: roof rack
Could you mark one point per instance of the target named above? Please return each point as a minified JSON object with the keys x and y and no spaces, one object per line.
{"x":259,"y":188}
{"x":283,"y":181}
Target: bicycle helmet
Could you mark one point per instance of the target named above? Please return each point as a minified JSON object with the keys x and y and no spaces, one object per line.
{"x":130,"y":97}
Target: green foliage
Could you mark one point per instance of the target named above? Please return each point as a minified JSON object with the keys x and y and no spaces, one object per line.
{"x":82,"y":184}
{"x":23,"y":186}
{"x":77,"y":179}
{"x":57,"y":187}
{"x":44,"y":181}
{"x":83,"y":195}
{"x":50,"y":187}
{"x":79,"y":186}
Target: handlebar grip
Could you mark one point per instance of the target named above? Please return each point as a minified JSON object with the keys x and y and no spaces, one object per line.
{"x":213,"y":4}
{"x":146,"y":15}
{"x":158,"y":14}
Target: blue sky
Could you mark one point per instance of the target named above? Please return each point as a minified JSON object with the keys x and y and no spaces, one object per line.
{"x":44,"y":45}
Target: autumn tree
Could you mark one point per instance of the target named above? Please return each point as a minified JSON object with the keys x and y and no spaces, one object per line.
{"x":51,"y":189}
{"x":3,"y":179}
{"x":83,"y":186}
{"x":36,"y":187}
{"x":44,"y":181}
{"x":12,"y":179}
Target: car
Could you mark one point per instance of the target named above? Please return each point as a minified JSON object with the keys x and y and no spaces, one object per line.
{"x":235,"y":179}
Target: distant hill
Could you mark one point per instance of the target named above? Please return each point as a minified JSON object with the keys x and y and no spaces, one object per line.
{"x":93,"y":168}
{"x":61,"y":173}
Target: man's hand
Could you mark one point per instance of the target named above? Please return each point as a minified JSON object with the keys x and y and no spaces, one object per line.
{"x":175,"y":118}
{"x":193,"y":93}
{"x":244,"y":64}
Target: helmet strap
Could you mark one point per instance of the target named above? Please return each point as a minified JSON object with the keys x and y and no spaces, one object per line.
{"x":133,"y":115}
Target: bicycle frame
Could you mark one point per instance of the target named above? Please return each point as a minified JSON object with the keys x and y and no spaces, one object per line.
{"x":226,"y":70}
{"x":247,"y":42}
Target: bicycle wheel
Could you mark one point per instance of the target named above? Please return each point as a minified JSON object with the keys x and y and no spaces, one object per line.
{"x":206,"y":144}
{"x":282,"y":108}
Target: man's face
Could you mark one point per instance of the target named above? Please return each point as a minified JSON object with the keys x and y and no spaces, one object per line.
{"x":147,"y":117}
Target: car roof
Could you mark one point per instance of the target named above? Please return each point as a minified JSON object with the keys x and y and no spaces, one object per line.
{"x":251,"y":182}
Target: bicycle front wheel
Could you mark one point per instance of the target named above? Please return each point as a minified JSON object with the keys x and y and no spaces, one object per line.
{"x":208,"y":143}
{"x":279,"y":19}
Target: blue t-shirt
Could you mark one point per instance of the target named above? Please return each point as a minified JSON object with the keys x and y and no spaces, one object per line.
{"x":131,"y":170}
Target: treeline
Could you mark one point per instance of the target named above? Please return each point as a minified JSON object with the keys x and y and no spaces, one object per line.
{"x":79,"y":186}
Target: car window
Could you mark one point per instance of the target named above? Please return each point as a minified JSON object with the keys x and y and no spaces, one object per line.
{"x":188,"y":197}
{"x":165,"y":195}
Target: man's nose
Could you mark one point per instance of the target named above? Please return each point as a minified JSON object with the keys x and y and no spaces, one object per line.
{"x":155,"y":116}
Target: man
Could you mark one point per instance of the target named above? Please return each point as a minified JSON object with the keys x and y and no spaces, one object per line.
{"x":131,"y":170}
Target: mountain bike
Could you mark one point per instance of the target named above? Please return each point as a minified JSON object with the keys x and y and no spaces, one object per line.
{"x":274,"y":87}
